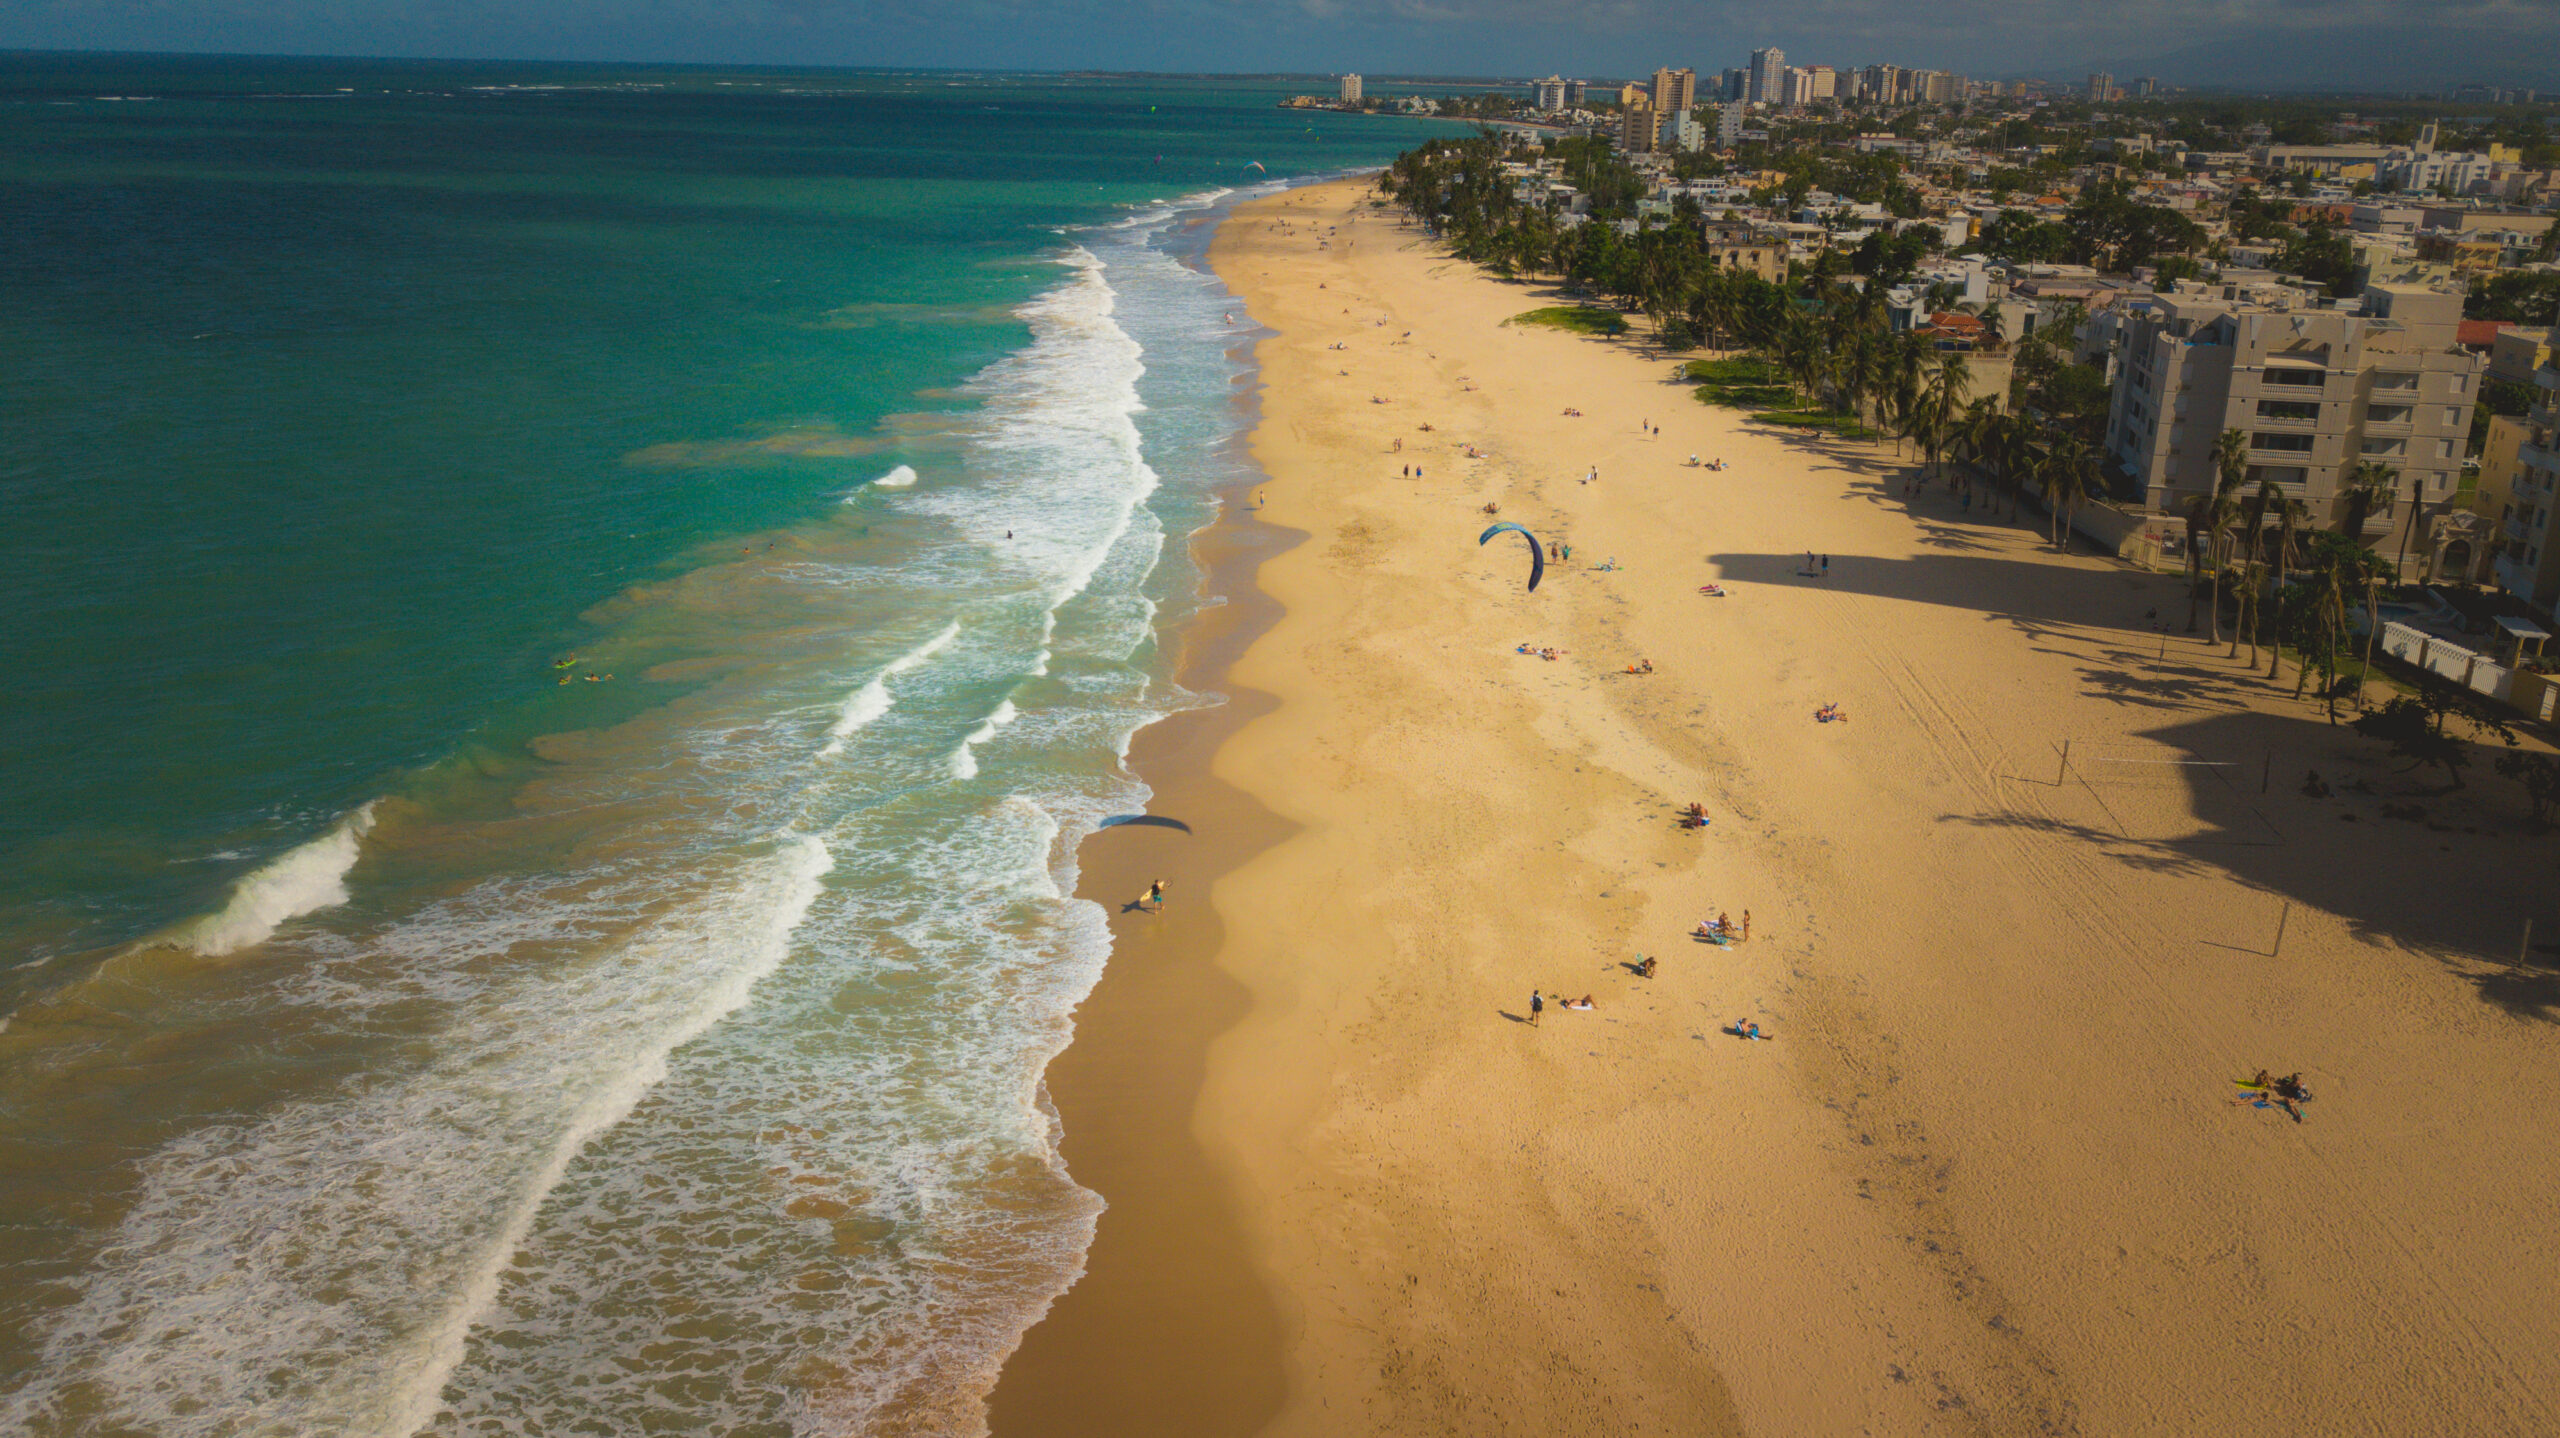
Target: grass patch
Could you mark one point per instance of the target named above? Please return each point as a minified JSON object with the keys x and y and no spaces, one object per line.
{"x":1576,"y":318}
{"x":1739,"y":370}
{"x":1823,"y":421}
{"x":1744,"y":382}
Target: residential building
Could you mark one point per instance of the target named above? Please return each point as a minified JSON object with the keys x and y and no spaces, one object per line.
{"x":2318,"y":392}
{"x":1687,"y":133}
{"x":1879,"y":83}
{"x":2528,"y":564}
{"x":2102,"y":88}
{"x":1640,"y":128}
{"x":1551,"y":97}
{"x":1675,"y":92}
{"x":2145,"y":88}
{"x":1631,"y":94}
{"x":1729,"y":125}
{"x":1737,"y":86}
{"x":1768,"y":76}
{"x":1350,"y":88}
{"x":2517,"y":352}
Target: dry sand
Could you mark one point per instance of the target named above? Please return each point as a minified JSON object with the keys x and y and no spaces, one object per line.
{"x":1985,"y":1178}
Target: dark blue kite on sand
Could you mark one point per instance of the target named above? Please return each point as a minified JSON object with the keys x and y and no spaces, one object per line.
{"x":1537,"y":554}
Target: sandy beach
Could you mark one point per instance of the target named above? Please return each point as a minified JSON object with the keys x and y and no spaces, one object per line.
{"x":1986,"y":1176}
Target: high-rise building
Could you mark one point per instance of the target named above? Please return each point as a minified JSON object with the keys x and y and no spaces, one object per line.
{"x":1768,"y":76}
{"x":2317,"y":392}
{"x":1675,"y":92}
{"x":1350,"y":88}
{"x":2528,"y":565}
{"x":1630,"y":94}
{"x":2145,"y":88}
{"x":1729,"y":125}
{"x":1944,"y":88}
{"x":1640,"y":130}
{"x":1551,"y":93}
{"x":1574,"y":90}
{"x":1737,"y":85}
{"x":2102,"y":88}
{"x":1820,"y":82}
{"x":1879,"y":83}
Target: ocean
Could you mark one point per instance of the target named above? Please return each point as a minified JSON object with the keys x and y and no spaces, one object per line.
{"x":564,"y":625}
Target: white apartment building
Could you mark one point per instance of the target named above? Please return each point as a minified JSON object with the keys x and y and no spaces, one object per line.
{"x":1350,"y":88}
{"x":1551,"y":94}
{"x":2318,"y":392}
{"x":1729,"y":125}
{"x":1768,"y":76}
{"x":2528,"y":562}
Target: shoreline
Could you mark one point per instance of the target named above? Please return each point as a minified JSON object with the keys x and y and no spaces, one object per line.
{"x":1168,"y":1275}
{"x":1986,"y":1180}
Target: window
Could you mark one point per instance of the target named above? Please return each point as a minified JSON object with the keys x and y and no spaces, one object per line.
{"x":2288,"y":443}
{"x":2288,"y":409}
{"x":2444,"y":449}
{"x":2289,"y":375}
{"x":2453,"y":416}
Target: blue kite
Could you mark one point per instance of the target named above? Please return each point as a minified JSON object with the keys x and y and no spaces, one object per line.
{"x":1537,"y":552}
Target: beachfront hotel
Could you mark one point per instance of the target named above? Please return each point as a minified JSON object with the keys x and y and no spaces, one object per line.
{"x":2319,"y":392}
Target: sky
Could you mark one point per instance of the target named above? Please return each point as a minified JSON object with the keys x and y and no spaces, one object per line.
{"x":2376,"y":42}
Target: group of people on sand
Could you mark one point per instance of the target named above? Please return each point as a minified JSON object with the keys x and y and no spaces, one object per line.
{"x":1722,"y":928}
{"x":1694,"y":816}
{"x":1548,"y":654}
{"x":1641,"y":666}
{"x":1831,"y":714}
{"x":1558,"y":553}
{"x":1572,"y":413}
{"x":1710,"y":464}
{"x":2286,"y":1093}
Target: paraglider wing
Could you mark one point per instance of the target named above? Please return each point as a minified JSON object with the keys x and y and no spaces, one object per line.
{"x":1537,"y":554}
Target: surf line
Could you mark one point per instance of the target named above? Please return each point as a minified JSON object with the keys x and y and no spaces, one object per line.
{"x":868,"y":703}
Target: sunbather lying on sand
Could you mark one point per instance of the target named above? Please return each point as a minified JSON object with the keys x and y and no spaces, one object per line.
{"x":1830,"y":714}
{"x":1584,"y":1004}
{"x":1712,"y":591}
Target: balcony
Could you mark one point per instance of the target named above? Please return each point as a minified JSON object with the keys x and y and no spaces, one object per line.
{"x":2536,"y":456}
{"x":2514,"y":529}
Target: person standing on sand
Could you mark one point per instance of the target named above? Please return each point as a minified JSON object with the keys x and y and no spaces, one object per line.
{"x":1155,"y":897}
{"x":1537,"y":1006}
{"x":1746,"y":925}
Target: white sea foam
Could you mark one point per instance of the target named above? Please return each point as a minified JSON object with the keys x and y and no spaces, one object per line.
{"x":303,"y":880}
{"x":873,"y":699}
{"x":318,"y":1269}
{"x":900,"y":478}
{"x":964,"y":760}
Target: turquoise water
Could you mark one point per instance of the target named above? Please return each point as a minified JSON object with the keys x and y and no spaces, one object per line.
{"x":564,"y":625}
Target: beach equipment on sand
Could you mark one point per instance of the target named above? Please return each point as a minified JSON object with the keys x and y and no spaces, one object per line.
{"x":1537,"y":555}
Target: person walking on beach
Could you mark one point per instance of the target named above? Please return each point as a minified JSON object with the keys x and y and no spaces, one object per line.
{"x":1154,"y":901}
{"x":1746,"y":925}
{"x":1826,"y":566}
{"x":1537,"y":1006}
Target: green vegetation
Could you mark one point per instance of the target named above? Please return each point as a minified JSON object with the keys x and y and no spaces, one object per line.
{"x":1757,"y":383}
{"x":1580,"y":319}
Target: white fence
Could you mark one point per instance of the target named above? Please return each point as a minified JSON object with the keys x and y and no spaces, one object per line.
{"x":2465,"y":667}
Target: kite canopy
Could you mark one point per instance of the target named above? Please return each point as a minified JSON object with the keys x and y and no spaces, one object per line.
{"x":1537,"y":553}
{"x":1255,"y":165}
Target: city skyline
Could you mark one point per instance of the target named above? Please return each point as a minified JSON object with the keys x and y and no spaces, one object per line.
{"x":2190,"y":42}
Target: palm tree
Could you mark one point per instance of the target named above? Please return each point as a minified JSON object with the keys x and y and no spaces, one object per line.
{"x":2287,"y":511}
{"x":2231,"y":470}
{"x":2366,"y":483}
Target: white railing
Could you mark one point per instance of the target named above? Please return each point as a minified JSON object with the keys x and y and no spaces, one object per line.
{"x":2466,"y":667}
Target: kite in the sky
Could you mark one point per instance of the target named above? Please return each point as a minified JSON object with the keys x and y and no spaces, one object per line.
{"x":1537,"y":555}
